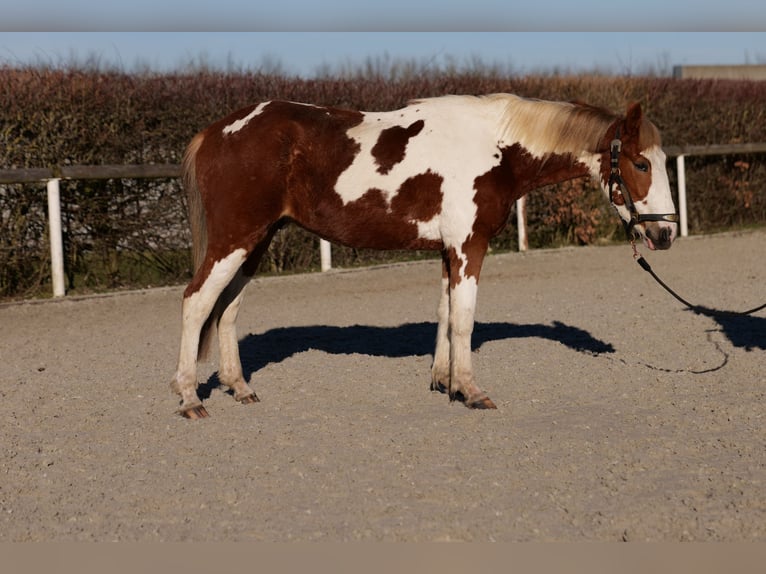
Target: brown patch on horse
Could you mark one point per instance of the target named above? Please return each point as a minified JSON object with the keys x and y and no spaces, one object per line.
{"x":639,"y":129}
{"x":496,"y":190}
{"x":288,"y":159}
{"x":287,"y":135}
{"x":637,"y":134}
{"x":419,"y":197}
{"x":392,"y":144}
{"x":375,"y":220}
{"x":474,"y":248}
{"x":454,"y":265}
{"x":375,"y":223}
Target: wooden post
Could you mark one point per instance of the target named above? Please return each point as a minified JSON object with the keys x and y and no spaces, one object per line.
{"x":682,"y":215}
{"x":57,"y":243}
{"x":325,"y":255}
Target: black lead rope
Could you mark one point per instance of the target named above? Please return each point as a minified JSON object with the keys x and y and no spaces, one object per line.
{"x":696,"y":308}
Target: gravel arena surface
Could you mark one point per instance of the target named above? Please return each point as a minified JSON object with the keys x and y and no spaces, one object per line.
{"x":621,"y":415}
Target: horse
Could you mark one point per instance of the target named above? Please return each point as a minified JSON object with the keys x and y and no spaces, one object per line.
{"x":439,"y":174}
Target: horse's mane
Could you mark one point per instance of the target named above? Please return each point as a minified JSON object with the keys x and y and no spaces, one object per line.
{"x":560,"y":127}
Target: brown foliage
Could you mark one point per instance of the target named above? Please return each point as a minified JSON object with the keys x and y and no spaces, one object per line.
{"x":128,"y":233}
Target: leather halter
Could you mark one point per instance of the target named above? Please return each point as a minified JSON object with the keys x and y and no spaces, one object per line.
{"x":616,"y":179}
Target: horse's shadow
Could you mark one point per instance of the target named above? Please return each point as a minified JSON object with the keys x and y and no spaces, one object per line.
{"x":410,"y":339}
{"x":744,"y":331}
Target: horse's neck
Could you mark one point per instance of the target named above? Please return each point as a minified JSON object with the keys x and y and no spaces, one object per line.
{"x":558,"y":168}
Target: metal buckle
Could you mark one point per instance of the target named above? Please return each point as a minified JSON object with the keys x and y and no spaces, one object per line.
{"x":616,"y":148}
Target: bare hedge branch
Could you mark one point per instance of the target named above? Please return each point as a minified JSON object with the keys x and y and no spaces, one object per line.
{"x":123,"y":232}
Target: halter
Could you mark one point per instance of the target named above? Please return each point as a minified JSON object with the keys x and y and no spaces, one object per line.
{"x":616,"y":179}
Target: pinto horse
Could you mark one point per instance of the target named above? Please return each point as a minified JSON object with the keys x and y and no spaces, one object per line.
{"x":439,"y":174}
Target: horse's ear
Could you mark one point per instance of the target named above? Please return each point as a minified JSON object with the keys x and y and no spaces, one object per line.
{"x":633,"y":119}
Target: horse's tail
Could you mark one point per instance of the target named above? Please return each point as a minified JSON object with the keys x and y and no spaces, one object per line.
{"x":198,"y":226}
{"x":194,"y":205}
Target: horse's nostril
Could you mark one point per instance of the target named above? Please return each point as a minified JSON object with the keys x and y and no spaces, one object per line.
{"x":665,"y":235}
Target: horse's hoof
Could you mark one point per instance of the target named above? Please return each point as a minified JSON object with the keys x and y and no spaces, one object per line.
{"x":249,"y":399}
{"x":483,"y":402}
{"x":438,"y":387}
{"x":194,"y":413}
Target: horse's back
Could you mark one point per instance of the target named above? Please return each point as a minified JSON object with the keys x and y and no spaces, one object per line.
{"x":381,"y":180}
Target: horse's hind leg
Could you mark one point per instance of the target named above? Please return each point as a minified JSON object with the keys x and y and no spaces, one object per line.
{"x":230,"y":369}
{"x":200,"y":299}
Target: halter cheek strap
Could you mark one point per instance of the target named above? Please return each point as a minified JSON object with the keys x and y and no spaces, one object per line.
{"x":615,"y":179}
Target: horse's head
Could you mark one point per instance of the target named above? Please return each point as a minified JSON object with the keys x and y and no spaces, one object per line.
{"x":634,"y":178}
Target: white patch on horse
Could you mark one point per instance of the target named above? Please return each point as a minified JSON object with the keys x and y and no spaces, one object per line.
{"x":242,"y":122}
{"x":659,"y":199}
{"x":463,"y":265}
{"x":428,"y":229}
{"x":200,"y":302}
{"x":458,"y":142}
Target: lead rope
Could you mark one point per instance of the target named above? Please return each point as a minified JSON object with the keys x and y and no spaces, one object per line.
{"x":696,"y":308}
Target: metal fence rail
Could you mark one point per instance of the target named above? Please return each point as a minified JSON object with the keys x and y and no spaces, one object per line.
{"x":52,"y":176}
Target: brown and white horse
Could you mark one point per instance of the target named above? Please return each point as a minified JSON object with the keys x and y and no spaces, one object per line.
{"x":441,"y":174}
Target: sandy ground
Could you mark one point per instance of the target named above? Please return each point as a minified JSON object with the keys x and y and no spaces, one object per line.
{"x":621,"y":416}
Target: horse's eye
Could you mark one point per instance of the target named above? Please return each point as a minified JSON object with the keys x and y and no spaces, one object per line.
{"x":642,"y":166}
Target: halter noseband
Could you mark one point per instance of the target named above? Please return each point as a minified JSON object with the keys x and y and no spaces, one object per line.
{"x":616,"y":179}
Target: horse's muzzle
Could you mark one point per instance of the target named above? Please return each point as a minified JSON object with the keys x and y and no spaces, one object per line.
{"x":660,"y":235}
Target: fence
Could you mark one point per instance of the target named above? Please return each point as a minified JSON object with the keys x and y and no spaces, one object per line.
{"x":52,"y":176}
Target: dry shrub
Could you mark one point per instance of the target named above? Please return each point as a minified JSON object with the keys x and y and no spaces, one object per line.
{"x":133,"y":233}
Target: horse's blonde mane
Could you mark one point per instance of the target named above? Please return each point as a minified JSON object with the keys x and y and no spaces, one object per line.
{"x":552,"y":127}
{"x":562,"y":127}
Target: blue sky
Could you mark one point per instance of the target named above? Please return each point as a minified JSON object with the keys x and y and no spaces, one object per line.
{"x":388,"y":15}
{"x":304,"y":36}
{"x":306,"y":53}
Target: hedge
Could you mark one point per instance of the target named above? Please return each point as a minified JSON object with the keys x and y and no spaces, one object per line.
{"x":127,"y":233}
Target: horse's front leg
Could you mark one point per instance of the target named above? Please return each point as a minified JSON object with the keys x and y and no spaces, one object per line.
{"x":461,"y":319}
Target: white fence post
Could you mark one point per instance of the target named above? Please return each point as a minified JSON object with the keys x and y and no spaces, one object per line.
{"x":325,"y":255}
{"x":682,"y":215}
{"x":521,"y":222}
{"x":57,"y":243}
